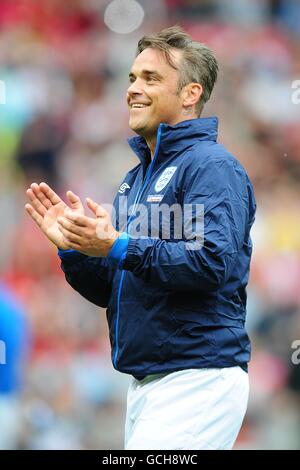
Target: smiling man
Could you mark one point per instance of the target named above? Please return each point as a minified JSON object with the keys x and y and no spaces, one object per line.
{"x":156,"y":95}
{"x":176,"y":308}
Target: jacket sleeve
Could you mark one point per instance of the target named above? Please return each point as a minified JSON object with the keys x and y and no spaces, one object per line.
{"x":89,"y":276}
{"x":223,"y":188}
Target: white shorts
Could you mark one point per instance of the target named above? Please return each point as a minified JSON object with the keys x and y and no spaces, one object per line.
{"x":190,"y":409}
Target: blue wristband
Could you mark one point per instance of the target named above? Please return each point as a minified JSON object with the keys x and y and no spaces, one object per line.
{"x":119,"y":249}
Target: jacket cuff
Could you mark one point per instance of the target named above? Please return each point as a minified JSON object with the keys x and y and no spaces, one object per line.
{"x":118,"y":251}
{"x":133,"y":256}
{"x":70,"y":255}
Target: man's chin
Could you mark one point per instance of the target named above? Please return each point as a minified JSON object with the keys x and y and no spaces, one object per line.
{"x":137,"y":128}
{"x":142,"y":129}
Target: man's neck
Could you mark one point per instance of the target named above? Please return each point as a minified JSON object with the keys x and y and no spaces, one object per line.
{"x":151,"y":142}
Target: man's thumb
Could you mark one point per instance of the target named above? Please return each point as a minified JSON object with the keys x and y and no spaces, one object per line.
{"x":95,"y":208}
{"x":75,"y":201}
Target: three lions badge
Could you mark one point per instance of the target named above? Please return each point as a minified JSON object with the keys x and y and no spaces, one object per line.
{"x":164,"y":178}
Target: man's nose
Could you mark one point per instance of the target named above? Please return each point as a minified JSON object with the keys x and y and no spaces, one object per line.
{"x":135,"y":87}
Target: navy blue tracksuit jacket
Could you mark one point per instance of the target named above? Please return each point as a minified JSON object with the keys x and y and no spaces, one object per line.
{"x":173,"y":303}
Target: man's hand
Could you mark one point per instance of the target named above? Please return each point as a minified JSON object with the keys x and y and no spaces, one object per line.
{"x":45,"y":208}
{"x":90,"y":236}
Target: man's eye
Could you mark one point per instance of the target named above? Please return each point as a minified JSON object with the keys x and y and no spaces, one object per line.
{"x":151,"y":79}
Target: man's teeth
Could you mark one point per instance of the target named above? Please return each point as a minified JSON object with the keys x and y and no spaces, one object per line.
{"x":138,"y":105}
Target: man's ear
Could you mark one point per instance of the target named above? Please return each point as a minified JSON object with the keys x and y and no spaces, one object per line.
{"x":192,"y":94}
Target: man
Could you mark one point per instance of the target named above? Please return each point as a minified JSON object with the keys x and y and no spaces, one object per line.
{"x":175,"y":305}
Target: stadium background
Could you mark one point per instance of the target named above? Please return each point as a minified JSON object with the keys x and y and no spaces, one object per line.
{"x":65,"y":122}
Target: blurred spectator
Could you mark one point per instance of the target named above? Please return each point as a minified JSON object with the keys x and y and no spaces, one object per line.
{"x":13,"y":351}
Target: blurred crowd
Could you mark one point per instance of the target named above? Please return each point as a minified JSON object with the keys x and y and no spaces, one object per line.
{"x":65,"y":121}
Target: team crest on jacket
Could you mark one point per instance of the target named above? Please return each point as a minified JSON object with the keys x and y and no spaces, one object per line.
{"x":164,"y":178}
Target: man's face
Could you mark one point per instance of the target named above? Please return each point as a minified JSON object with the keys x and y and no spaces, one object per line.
{"x":153,"y":85}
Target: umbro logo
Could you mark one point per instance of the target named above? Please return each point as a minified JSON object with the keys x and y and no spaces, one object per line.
{"x":123,"y":188}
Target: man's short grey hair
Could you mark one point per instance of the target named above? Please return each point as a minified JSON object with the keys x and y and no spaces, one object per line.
{"x":198,"y":64}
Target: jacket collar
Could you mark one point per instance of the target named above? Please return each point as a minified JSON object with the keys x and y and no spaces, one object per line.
{"x":176,"y":139}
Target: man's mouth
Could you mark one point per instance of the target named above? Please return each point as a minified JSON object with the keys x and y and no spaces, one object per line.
{"x":138,"y":105}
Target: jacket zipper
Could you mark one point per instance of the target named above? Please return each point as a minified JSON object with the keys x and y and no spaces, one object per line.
{"x":136,"y":201}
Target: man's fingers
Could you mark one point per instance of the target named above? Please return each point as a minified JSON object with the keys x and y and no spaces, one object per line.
{"x":37,"y":205}
{"x":41,"y":196}
{"x":96,"y":208}
{"x":72,"y":245}
{"x":34,"y":215}
{"x":70,"y":236}
{"x":92,"y":205}
{"x":70,"y":226}
{"x":49,"y":193}
{"x":78,"y":219}
{"x":68,"y":243}
{"x":74,"y":200}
